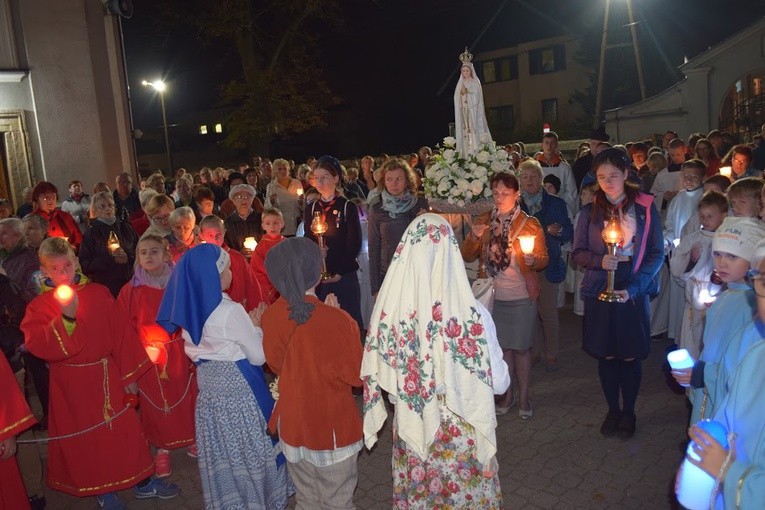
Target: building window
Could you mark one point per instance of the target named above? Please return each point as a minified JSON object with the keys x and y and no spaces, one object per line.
{"x":218,"y":128}
{"x":547,"y":60}
{"x":549,"y":110}
{"x":501,"y":122}
{"x":489,"y":71}
{"x":203,"y":129}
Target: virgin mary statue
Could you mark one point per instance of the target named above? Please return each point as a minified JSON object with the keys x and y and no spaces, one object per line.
{"x":470,"y":123}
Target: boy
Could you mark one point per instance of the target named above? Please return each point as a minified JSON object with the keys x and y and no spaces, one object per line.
{"x":656,"y":162}
{"x":692,"y":263}
{"x":667,"y":182}
{"x":717,"y":182}
{"x":744,"y":197}
{"x":92,"y":370}
{"x":244,"y":288}
{"x":682,"y":208}
{"x":272,"y":223}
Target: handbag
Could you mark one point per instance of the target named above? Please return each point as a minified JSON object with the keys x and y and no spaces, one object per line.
{"x":483,"y":288}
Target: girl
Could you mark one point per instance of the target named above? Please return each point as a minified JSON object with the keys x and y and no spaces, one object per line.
{"x":617,"y":334}
{"x":169,"y":390}
{"x":239,"y":463}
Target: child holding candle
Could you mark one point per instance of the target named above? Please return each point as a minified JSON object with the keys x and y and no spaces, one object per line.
{"x":617,"y":334}
{"x":273,"y":224}
{"x":692,"y":263}
{"x":733,"y":248}
{"x":240,"y":465}
{"x":244,"y":288}
{"x":93,"y":367}
{"x":168,"y":390}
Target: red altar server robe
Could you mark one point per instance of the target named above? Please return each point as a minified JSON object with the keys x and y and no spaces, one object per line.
{"x":169,"y":389}
{"x":15,"y":418}
{"x":244,"y":289}
{"x":88,"y":373}
{"x":258,"y":265}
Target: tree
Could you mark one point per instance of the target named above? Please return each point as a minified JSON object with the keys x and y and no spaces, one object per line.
{"x":282,"y":90}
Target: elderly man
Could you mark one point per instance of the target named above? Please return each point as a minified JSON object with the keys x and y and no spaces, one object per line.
{"x":126,"y":198}
{"x":245,"y":220}
{"x":552,"y":213}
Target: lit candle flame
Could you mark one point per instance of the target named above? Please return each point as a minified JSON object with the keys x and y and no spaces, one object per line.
{"x":64,"y":294}
{"x":705,"y":297}
{"x":725,"y":170}
{"x":612,"y":234}
{"x":153,"y":353}
{"x":300,"y":192}
{"x":527,"y":244}
{"x":250,"y":243}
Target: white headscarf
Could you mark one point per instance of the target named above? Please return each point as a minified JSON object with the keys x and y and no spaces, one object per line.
{"x":475,"y":117}
{"x":427,"y":332}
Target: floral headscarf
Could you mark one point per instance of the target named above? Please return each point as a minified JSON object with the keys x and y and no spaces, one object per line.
{"x":427,"y":335}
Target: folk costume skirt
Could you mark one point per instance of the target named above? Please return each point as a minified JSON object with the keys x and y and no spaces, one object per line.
{"x":237,"y":459}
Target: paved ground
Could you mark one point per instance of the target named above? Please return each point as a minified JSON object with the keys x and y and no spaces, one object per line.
{"x":557,"y":459}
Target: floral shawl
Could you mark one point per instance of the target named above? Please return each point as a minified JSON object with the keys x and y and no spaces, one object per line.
{"x":426,"y":335}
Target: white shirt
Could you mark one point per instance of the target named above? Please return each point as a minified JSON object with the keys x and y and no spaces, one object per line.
{"x":287,"y":201}
{"x":568,"y":191}
{"x":228,"y":335}
{"x":665,"y":181}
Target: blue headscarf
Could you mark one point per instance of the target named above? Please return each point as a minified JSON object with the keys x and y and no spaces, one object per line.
{"x":193,"y":291}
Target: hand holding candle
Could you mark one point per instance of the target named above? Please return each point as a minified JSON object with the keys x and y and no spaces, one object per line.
{"x":725,"y":170}
{"x":67,"y":299}
{"x":682,"y":365}
{"x":527,"y":248}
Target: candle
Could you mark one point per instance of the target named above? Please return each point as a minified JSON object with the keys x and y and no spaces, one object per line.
{"x":725,"y":170}
{"x":300,"y":192}
{"x":679,"y":360}
{"x":705,"y":297}
{"x":612,"y":234}
{"x":695,"y":485}
{"x":64,"y":294}
{"x":153,"y":353}
{"x":250,"y":243}
{"x":113,"y":243}
{"x":527,"y":244}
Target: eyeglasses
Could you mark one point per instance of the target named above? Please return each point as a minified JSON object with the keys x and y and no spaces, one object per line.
{"x":243,"y":197}
{"x":741,"y":161}
{"x":104,"y":207}
{"x":756,"y":280}
{"x":48,"y":198}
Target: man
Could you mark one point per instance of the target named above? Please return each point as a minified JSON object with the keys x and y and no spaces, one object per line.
{"x":667,"y":182}
{"x":583,"y":165}
{"x":423,"y":155}
{"x":126,"y":201}
{"x":552,"y":213}
{"x":758,"y":154}
{"x":552,"y":162}
{"x":667,"y":138}
{"x":367,"y":171}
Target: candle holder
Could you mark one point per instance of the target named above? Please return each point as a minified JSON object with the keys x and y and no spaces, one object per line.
{"x":613,"y":236}
{"x":527,"y":244}
{"x":250,"y":243}
{"x":113,"y":243}
{"x":319,"y":228}
{"x":725,"y":170}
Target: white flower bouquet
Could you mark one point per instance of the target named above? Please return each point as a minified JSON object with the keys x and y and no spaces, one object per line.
{"x":457,"y":184}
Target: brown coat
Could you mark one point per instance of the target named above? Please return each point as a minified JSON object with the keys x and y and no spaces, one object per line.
{"x":317,"y":363}
{"x":471,"y":248}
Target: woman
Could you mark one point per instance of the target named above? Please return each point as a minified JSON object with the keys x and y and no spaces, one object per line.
{"x":239,"y":464}
{"x":77,"y":204}
{"x":158,"y":212}
{"x":35,"y":230}
{"x":618,"y":334}
{"x":60,"y":223}
{"x":342,"y":239}
{"x":706,"y":152}
{"x":315,"y":417}
{"x":516,"y":281}
{"x":284,"y":193}
{"x":184,"y":233}
{"x":739,"y":159}
{"x":389,"y":215}
{"x":102,"y":263}
{"x":204,"y":199}
{"x":433,"y":348}
{"x":244,"y":222}
{"x":228,"y":207}
{"x":469,"y":113}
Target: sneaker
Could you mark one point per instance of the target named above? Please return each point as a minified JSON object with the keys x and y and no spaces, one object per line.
{"x":162,"y":463}
{"x":610,"y":424}
{"x":156,"y":488}
{"x":193,"y":451}
{"x":626,"y":427}
{"x":110,"y":501}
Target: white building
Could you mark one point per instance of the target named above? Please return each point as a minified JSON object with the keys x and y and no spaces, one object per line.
{"x":722,"y":88}
{"x":63,"y":98}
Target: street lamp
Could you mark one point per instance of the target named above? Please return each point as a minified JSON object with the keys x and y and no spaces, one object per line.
{"x":160,"y":87}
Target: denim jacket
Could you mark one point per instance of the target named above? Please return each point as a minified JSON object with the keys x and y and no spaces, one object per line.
{"x":589,"y":250}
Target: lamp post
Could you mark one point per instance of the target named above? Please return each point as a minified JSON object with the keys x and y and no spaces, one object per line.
{"x":160,"y":87}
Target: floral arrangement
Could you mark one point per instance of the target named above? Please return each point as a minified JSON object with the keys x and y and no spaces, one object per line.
{"x":454,"y":182}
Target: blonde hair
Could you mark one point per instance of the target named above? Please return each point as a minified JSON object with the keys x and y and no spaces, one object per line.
{"x":181,"y":214}
{"x":284,"y":162}
{"x":211,"y":221}
{"x":531,"y":164}
{"x":154,"y":238}
{"x":54,"y":247}
{"x":144,"y":196}
{"x":157,"y":202}
{"x":272,"y":211}
{"x":396,"y":164}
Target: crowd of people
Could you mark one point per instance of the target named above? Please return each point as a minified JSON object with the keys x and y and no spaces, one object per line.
{"x":247,"y":306}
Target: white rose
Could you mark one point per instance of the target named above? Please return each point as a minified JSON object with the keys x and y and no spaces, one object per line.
{"x":468,"y":195}
{"x":449,"y":155}
{"x":450,"y":200}
{"x":502,"y":154}
{"x":461,"y":203}
{"x":480,"y":171}
{"x":497,"y":166}
{"x":482,"y":157}
{"x":472,"y":166}
{"x":487,"y":192}
{"x":462,"y":185}
{"x":455,"y":191}
{"x":450,"y":141}
{"x":476,"y":187}
{"x":485,"y":137}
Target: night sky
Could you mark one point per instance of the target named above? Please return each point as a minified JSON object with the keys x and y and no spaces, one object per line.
{"x":393,"y":63}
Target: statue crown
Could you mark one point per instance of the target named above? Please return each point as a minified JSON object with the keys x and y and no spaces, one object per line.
{"x":466,"y":57}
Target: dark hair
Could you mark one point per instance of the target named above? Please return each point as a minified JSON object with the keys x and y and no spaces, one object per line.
{"x":236,"y":175}
{"x":43,"y":188}
{"x":554,"y":180}
{"x":203,"y":193}
{"x":696,"y":164}
{"x":719,"y":180}
{"x":506,"y":178}
{"x":331,"y":165}
{"x":742,"y":149}
{"x":638,"y":147}
{"x":714,"y":198}
{"x":550,"y":134}
{"x":746,"y":187}
{"x":601,"y":207}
